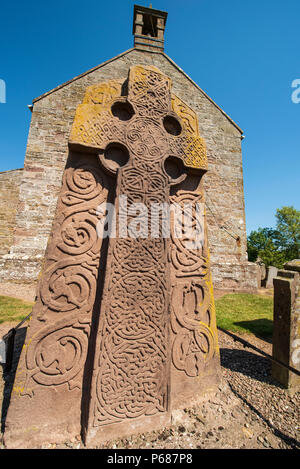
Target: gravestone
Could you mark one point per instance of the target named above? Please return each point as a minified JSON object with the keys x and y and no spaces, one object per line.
{"x":271,"y":274}
{"x":261,"y":272}
{"x":286,"y":326}
{"x":123,"y":331}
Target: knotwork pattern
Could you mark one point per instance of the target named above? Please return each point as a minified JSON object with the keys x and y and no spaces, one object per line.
{"x":131,"y":317}
{"x":132,"y":346}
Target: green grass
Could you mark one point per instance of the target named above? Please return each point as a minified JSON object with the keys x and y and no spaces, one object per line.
{"x":246,"y":313}
{"x":13,"y":309}
{"x":236,"y":312}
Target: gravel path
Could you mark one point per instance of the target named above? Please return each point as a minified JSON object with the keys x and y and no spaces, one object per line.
{"x":25,"y":292}
{"x":249,"y":410}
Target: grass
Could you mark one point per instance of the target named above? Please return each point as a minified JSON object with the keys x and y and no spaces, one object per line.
{"x":13,"y":309}
{"x":236,"y":312}
{"x":246,"y":313}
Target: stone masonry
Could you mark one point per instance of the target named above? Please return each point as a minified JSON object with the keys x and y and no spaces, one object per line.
{"x":47,"y":152}
{"x":10,"y":182}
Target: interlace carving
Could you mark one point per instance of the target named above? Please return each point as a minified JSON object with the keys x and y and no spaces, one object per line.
{"x":156,"y":315}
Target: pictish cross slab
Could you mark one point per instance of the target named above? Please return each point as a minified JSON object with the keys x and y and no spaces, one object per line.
{"x":142,"y":141}
{"x":122,"y":330}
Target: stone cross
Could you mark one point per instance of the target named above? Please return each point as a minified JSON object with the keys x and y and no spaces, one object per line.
{"x":124,"y":333}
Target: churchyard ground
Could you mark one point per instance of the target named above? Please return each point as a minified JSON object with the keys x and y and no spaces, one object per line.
{"x":248,"y":410}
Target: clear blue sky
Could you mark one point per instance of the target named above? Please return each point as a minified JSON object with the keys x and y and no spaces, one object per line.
{"x":243,"y":54}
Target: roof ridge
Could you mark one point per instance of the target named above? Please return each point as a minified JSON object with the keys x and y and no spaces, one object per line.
{"x":125,"y":53}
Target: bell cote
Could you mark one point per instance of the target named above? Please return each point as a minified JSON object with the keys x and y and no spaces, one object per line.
{"x":149,"y":28}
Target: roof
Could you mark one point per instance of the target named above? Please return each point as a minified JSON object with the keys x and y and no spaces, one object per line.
{"x":126,"y":53}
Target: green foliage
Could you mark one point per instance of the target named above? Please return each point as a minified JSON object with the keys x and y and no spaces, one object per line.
{"x":246,"y":313}
{"x":13,"y":309}
{"x":263,"y":243}
{"x":277,"y":246}
{"x":258,"y":241}
{"x":288,"y":226}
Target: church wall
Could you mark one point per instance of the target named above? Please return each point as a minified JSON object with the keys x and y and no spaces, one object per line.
{"x":9,"y":196}
{"x":47,"y":152}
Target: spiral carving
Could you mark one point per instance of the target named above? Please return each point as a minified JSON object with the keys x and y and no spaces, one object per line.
{"x":194,"y":343}
{"x":146,"y":139}
{"x":194,"y":339}
{"x":78,"y":234}
{"x":58,"y":340}
{"x":132,"y":356}
{"x":57,"y":353}
{"x":68,"y":286}
{"x":188,"y":258}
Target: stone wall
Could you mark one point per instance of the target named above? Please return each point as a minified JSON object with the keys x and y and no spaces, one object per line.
{"x":9,"y":196}
{"x":47,"y":152}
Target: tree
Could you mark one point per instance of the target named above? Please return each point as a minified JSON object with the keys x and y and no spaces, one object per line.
{"x":288,"y":226}
{"x":263,"y":243}
{"x":277,"y":246}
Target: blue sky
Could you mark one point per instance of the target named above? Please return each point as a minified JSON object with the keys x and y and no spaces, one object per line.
{"x":243,"y":54}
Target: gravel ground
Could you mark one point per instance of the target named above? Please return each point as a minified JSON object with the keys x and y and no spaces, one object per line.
{"x":25,"y":292}
{"x":248,"y":411}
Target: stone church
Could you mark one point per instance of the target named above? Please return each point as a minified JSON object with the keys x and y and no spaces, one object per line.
{"x":29,"y":195}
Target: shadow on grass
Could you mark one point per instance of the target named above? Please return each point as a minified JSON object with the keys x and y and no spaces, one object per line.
{"x":261,"y":328}
{"x":9,"y":377}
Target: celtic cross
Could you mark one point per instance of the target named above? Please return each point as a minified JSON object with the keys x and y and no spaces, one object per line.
{"x":115,"y":359}
{"x":141,"y":141}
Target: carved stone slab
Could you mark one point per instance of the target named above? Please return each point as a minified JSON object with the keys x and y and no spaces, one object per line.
{"x":123,"y":330}
{"x":46,"y":398}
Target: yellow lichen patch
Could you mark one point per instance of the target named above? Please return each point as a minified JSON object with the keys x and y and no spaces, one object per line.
{"x":142,"y":77}
{"x":88,"y":125}
{"x":193,"y":145}
{"x":103,"y":93}
{"x":195,"y":153}
{"x":20,"y":379}
{"x":209,"y":284}
{"x":149,"y":91}
{"x":18,"y":389}
{"x":91,"y":116}
{"x":187,"y":116}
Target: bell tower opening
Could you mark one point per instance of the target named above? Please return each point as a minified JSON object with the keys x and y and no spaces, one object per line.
{"x":149,"y":28}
